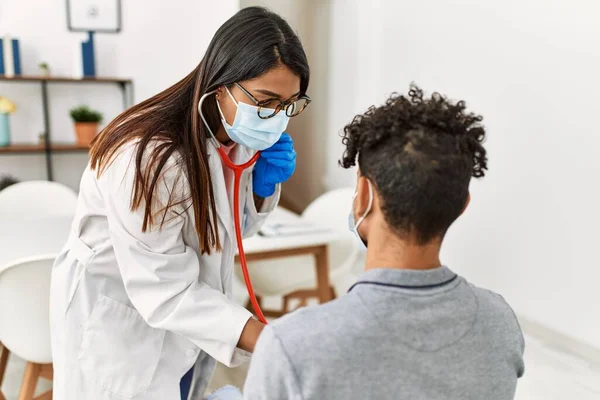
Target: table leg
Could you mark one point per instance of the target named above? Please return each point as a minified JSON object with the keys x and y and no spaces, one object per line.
{"x":322,"y":266}
{"x":3,"y":361}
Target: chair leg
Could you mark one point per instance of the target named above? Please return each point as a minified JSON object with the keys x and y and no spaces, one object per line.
{"x":2,"y":396}
{"x":303,"y":295}
{"x":33,"y":372}
{"x":45,"y":396}
{"x":30,"y":380}
{"x":286,"y":305}
{"x":266,"y":313}
{"x":47,"y":371}
{"x":3,"y":362}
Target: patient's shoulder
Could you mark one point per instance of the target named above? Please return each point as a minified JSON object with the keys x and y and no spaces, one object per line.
{"x":498,"y":316}
{"x":315,"y":326}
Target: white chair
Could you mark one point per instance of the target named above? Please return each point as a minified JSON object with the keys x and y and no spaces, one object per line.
{"x":24,"y":316}
{"x":37,"y":198}
{"x":295,"y":277}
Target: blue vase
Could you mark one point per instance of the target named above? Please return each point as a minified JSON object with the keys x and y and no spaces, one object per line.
{"x":4,"y":130}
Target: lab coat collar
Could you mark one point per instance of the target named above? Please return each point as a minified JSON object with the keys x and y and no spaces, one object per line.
{"x":407,"y":278}
{"x":239,"y":155}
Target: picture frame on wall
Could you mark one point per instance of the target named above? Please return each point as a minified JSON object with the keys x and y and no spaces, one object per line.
{"x":94,"y":15}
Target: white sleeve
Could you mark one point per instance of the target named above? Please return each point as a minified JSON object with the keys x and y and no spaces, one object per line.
{"x":161,"y":273}
{"x":254,"y":219}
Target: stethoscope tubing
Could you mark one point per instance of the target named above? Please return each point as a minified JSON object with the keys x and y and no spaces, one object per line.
{"x":238,"y":170}
{"x":237,"y":173}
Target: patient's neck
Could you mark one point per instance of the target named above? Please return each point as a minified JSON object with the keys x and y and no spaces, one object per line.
{"x":387,"y":250}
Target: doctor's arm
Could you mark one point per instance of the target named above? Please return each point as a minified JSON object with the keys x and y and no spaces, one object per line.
{"x":161,"y":273}
{"x":275,"y":166}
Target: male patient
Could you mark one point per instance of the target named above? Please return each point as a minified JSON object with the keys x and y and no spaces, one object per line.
{"x":410,"y":327}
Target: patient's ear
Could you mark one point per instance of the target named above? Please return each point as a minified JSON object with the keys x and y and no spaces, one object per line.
{"x":362,"y":195}
{"x":466,"y":203}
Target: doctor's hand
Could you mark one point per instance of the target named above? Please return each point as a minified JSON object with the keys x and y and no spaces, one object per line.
{"x":275,"y":165}
{"x":250,"y":335}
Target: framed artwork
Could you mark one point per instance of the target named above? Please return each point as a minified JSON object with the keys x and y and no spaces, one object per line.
{"x":94,"y":15}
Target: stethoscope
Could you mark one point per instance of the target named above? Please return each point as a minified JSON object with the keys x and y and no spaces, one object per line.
{"x":237,"y":173}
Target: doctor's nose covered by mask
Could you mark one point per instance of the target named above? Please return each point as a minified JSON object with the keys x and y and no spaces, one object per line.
{"x":173,"y":186}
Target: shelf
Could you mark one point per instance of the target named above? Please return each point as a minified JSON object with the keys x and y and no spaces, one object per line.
{"x":46,"y":150}
{"x":64,"y":79}
{"x":38,"y":148}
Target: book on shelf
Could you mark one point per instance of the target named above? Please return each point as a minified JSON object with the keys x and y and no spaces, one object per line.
{"x":10,"y":57}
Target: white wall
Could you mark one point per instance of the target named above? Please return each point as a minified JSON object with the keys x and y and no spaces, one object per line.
{"x":310,"y":21}
{"x":353,"y":80}
{"x":531,"y":68}
{"x":159,"y":44}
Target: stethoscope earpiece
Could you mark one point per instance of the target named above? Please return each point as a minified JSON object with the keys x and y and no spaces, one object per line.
{"x":212,"y":136}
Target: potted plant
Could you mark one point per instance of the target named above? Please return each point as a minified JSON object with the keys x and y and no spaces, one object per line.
{"x":7,"y":107}
{"x":44,"y":69}
{"x":86,"y":124}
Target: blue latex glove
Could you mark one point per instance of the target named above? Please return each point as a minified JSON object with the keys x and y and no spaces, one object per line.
{"x":275,"y":165}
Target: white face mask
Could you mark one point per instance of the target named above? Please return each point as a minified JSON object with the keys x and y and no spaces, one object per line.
{"x":353,"y":226}
{"x":250,"y":130}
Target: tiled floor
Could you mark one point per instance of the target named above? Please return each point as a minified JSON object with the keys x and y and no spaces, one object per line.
{"x":550,"y":375}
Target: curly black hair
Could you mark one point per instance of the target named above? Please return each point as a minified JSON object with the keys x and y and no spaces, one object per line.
{"x":420,"y":153}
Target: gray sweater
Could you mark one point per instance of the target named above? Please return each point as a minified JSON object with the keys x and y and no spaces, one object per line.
{"x":398,"y":334}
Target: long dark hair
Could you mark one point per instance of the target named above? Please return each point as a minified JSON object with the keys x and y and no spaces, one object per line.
{"x":248,"y":45}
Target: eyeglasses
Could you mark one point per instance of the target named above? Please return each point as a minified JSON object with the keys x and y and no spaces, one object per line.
{"x":270,"y":107}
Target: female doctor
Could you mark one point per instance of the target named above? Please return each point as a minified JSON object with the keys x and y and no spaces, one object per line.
{"x":141,"y":293}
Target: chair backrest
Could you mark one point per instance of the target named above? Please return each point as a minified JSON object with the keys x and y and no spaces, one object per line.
{"x":331,"y":211}
{"x":37,"y":199}
{"x":24,"y":309}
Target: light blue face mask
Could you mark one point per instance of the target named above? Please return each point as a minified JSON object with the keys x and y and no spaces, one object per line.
{"x":354,"y":226}
{"x":250,"y":130}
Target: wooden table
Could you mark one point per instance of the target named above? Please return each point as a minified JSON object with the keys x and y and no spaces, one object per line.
{"x":315,"y":244}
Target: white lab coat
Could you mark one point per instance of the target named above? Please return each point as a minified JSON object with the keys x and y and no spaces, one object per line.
{"x":132,"y":312}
